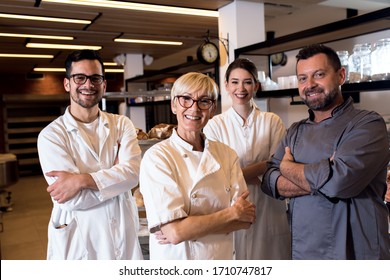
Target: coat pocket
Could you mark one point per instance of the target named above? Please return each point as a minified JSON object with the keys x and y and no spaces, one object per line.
{"x":66,"y":242}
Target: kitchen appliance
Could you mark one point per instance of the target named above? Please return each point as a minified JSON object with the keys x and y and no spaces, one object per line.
{"x":9,"y":175}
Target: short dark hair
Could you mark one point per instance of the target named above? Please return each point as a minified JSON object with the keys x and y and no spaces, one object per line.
{"x":81,"y":55}
{"x":242,"y":63}
{"x":314,"y":49}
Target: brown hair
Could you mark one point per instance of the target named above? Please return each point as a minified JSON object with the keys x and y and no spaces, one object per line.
{"x":242,"y":63}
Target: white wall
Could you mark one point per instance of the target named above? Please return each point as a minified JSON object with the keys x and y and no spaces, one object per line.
{"x":310,"y":16}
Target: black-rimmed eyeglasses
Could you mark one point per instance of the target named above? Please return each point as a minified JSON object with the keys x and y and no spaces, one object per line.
{"x":81,"y":79}
{"x":187,"y":102}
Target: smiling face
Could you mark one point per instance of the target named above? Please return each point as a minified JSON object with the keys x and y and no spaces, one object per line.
{"x":87,"y":95}
{"x":193,"y":119}
{"x":188,"y":92}
{"x":241,"y":86}
{"x":319,"y":84}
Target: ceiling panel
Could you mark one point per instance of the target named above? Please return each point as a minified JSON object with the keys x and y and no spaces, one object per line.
{"x":107,"y":24}
{"x":110,"y":23}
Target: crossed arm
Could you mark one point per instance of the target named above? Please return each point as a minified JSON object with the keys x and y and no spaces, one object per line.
{"x":292,"y":182}
{"x":253,"y":171}
{"x":68,"y":185}
{"x":238,"y":216}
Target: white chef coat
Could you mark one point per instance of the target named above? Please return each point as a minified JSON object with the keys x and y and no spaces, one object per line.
{"x":101,"y":224}
{"x":177,"y":182}
{"x":256,"y":140}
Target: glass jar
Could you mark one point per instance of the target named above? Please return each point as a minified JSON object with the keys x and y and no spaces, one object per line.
{"x":380,"y":58}
{"x":359,"y":63}
{"x":344,"y":55}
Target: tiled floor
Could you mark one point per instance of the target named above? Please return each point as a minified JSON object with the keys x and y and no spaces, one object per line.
{"x":24,"y":235}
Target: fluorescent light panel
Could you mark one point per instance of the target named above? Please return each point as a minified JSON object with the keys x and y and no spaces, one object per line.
{"x":48,"y":69}
{"x":114,"y":70}
{"x":138,"y":7}
{"x":136,"y":41}
{"x":39,"y":18}
{"x":43,"y":69}
{"x":110,"y":64}
{"x":61,"y":46}
{"x":19,"y":35}
{"x":17,"y":55}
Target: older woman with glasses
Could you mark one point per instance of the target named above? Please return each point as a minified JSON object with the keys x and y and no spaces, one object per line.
{"x":194,"y":190}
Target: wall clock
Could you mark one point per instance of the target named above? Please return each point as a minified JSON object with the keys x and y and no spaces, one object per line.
{"x":279,"y":59}
{"x":208,"y":53}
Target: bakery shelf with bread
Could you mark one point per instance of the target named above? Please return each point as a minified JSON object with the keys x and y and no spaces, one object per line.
{"x":156,"y":134}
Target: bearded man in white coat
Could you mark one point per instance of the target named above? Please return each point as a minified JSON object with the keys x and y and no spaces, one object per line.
{"x":91,"y":161}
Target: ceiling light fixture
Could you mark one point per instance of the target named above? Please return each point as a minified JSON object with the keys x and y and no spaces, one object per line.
{"x":114,"y":70}
{"x":17,"y":35}
{"x":109,"y":64}
{"x":148,"y":59}
{"x":120,"y":59}
{"x":42,"y":69}
{"x":156,"y":42}
{"x":49,"y":69}
{"x":27,"y":17}
{"x":18,"y":55}
{"x":61,"y":46}
{"x":139,"y":7}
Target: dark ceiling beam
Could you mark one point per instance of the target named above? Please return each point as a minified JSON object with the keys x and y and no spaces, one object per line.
{"x":352,"y":13}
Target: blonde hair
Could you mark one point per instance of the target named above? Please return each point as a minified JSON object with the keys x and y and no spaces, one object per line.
{"x":193,"y":82}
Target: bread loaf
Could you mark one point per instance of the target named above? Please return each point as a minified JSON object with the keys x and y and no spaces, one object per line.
{"x":141,"y":135}
{"x":139,"y":200}
{"x":161,"y":131}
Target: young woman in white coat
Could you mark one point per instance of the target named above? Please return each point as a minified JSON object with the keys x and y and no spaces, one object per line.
{"x":193,"y":189}
{"x":254,"y":135}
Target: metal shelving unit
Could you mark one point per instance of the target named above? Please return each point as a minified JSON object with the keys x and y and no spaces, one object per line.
{"x":339,"y":30}
{"x":24,"y":116}
{"x":351,"y":88}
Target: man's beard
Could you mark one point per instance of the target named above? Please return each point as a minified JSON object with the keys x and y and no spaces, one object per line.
{"x":85,"y":104}
{"x":325,"y":100}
